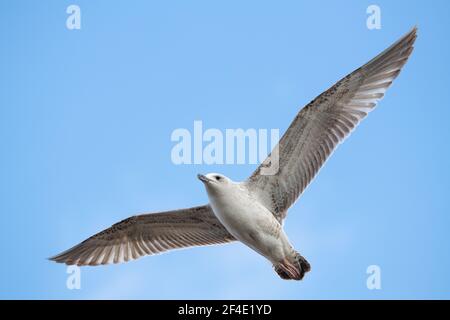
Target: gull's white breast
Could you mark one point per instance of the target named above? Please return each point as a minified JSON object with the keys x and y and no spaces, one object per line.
{"x":249,"y":222}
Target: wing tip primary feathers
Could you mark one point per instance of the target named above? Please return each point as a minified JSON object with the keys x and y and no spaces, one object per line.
{"x":400,"y":50}
{"x":71,"y":257}
{"x":381,"y":71}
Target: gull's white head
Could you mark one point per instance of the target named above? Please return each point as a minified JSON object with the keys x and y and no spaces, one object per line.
{"x":215,"y":181}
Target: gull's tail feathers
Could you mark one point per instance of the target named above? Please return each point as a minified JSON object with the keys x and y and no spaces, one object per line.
{"x":293,"y":268}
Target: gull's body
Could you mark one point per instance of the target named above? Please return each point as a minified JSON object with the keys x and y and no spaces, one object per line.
{"x":252,"y":211}
{"x":248,"y":220}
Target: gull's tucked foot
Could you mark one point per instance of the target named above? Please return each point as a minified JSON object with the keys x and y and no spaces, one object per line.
{"x":293,"y":268}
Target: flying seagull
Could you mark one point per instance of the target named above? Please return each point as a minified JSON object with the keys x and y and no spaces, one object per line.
{"x":253,"y":211}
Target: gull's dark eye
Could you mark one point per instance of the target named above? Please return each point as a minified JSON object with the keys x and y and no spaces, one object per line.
{"x":218,"y":178}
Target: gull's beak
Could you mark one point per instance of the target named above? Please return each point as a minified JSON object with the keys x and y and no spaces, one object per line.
{"x":202,"y":178}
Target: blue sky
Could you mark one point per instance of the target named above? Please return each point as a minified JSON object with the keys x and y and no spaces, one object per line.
{"x":85,"y":123}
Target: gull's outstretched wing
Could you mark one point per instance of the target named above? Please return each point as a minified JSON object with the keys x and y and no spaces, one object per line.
{"x":324,"y":123}
{"x":148,"y":234}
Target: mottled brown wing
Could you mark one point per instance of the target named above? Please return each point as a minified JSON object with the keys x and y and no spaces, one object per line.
{"x":148,"y":234}
{"x":324,"y":123}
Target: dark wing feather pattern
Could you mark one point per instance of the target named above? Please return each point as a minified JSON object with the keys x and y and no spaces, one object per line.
{"x":148,"y":234}
{"x":323,"y":124}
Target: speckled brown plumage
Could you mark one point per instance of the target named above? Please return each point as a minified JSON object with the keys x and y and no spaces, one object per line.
{"x":323,"y":124}
{"x":148,"y":234}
